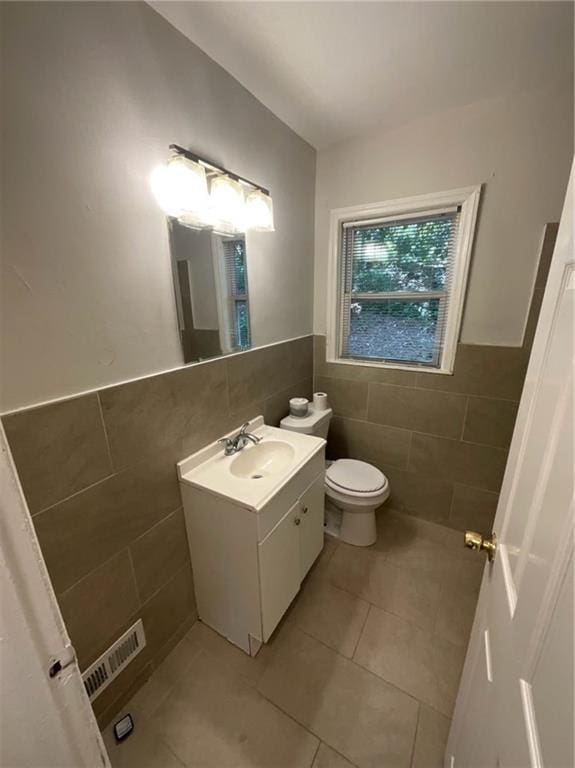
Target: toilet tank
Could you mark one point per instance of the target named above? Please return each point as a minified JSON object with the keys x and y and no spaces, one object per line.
{"x":315,"y":423}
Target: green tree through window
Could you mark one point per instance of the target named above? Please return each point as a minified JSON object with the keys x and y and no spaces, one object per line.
{"x":239,"y":296}
{"x":387,"y":266}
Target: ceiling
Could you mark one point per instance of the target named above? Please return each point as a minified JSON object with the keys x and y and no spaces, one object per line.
{"x":333,"y":70}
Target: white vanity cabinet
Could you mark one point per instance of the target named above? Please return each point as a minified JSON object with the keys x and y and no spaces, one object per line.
{"x":288,"y":552}
{"x":249,"y":560}
{"x":311,"y":513}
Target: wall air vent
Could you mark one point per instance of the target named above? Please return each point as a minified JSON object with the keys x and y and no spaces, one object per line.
{"x":100,"y":674}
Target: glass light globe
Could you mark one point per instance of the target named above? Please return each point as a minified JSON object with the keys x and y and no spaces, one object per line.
{"x":181,"y":190}
{"x":259,"y":212}
{"x":227,"y":205}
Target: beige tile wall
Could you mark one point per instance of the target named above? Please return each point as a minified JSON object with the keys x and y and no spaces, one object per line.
{"x":98,"y":472}
{"x":441,"y":440}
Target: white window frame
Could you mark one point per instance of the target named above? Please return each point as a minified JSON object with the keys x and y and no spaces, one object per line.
{"x":467,"y":198}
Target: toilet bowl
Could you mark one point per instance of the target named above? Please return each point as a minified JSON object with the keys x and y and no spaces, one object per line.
{"x":355,"y":488}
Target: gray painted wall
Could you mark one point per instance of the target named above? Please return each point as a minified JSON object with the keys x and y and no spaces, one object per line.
{"x":93,"y":95}
{"x":519,"y":148}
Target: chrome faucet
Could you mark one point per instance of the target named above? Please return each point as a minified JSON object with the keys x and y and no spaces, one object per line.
{"x":235,"y":444}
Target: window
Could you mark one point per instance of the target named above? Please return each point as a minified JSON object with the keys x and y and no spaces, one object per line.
{"x":236,"y":277}
{"x":399,"y":280}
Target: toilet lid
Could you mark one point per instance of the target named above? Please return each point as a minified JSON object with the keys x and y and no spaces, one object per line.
{"x":355,"y":476}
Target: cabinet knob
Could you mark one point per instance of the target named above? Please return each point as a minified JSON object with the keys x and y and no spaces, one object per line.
{"x":297,"y":521}
{"x":304,"y":510}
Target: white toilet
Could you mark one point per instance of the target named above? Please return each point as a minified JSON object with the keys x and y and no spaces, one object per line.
{"x":355,"y":488}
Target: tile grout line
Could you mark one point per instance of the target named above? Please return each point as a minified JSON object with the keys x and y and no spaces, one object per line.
{"x":306,"y":728}
{"x":412,"y":696}
{"x":228,"y":398}
{"x":487,"y":445}
{"x":62,"y":593}
{"x":319,"y":743}
{"x":138,"y":595}
{"x":326,"y":582}
{"x":127,"y":546}
{"x":171,"y":751}
{"x":335,"y":548}
{"x":493,"y":397}
{"x":409,"y":451}
{"x":182,"y":639}
{"x":105,"y":562}
{"x":117,"y":472}
{"x":76,"y":493}
{"x":464,"y":422}
{"x":415,"y":735}
{"x":367,"y":400}
{"x":291,"y":717}
{"x":155,"y":525}
{"x":372,"y":674}
{"x":156,"y":667}
{"x":451,"y":503}
{"x":105,"y":429}
{"x":340,"y":754}
{"x":333,"y":749}
{"x":172,"y":577}
{"x":419,"y":388}
{"x":360,"y":634}
{"x":420,"y":432}
{"x":476,"y":488}
{"x":378,"y":607}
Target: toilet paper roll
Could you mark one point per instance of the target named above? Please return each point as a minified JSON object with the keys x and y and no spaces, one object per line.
{"x":298,"y":406}
{"x":320,"y":401}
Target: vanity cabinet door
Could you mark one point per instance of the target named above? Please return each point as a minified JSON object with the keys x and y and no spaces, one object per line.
{"x":311,"y":506}
{"x":279,"y":560}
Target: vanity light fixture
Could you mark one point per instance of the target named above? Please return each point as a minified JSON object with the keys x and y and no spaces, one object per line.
{"x":181,"y":190}
{"x":227,"y":204}
{"x":259,"y":211}
{"x":234,"y":204}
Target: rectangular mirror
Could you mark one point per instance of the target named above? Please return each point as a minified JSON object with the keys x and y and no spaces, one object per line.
{"x":211,"y":289}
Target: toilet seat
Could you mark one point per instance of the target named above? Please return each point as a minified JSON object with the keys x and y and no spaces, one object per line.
{"x":357,"y":489}
{"x":358,"y":479}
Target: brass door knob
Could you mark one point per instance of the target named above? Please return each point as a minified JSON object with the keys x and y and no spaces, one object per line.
{"x":477,"y":541}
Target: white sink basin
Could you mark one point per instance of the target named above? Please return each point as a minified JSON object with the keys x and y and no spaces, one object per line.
{"x":258,"y":461}
{"x":251,"y":477}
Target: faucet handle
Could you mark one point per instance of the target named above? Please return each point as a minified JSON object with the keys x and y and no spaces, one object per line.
{"x":244,"y":433}
{"x":229,"y":445}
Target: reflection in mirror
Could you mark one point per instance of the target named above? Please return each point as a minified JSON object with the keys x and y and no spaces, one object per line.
{"x":211,"y":287}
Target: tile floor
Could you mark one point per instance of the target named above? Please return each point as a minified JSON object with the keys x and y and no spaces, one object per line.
{"x":363,"y":671}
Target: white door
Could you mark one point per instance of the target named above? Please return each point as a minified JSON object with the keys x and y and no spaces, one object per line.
{"x":515,"y":704}
{"x":45,"y":721}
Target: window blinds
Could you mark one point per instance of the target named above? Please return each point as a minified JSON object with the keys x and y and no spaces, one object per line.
{"x":238,"y":326}
{"x":394,"y":286}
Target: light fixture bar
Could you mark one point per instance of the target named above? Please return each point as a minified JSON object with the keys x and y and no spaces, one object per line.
{"x":209,"y":165}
